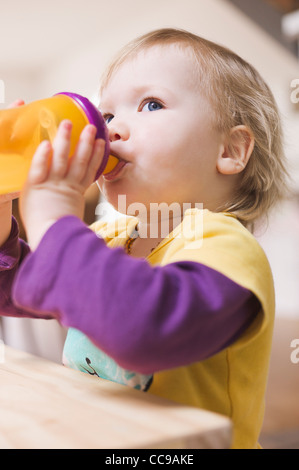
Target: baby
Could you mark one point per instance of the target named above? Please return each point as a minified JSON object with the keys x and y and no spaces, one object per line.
{"x":185,"y":313}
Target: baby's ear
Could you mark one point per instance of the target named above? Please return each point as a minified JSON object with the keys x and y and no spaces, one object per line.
{"x":238,"y":148}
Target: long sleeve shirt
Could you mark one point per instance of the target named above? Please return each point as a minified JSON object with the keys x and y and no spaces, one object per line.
{"x":193,"y":322}
{"x":175,"y":314}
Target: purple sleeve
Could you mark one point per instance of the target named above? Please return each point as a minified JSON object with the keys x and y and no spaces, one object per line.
{"x":146,"y":318}
{"x":12,"y":254}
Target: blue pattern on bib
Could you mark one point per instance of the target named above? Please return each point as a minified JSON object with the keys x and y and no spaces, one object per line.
{"x":81,"y":354}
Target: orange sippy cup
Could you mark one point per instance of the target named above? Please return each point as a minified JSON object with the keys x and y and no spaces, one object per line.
{"x":23,"y":128}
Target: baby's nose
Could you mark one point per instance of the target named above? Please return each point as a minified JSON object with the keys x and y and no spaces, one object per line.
{"x":118,"y":131}
{"x":113,"y":136}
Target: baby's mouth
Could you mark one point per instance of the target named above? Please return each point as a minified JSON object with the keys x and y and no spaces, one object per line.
{"x":114,"y":166}
{"x":112,"y":163}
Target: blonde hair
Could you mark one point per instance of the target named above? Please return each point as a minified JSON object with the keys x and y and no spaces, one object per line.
{"x":239,"y":96}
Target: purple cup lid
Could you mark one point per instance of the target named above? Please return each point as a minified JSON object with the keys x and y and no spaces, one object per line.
{"x":94,"y":117}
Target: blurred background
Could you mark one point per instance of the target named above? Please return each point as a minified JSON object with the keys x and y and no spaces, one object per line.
{"x":62,"y":45}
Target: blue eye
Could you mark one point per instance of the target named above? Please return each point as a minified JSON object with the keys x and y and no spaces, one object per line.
{"x":108,"y":118}
{"x":152,"y":106}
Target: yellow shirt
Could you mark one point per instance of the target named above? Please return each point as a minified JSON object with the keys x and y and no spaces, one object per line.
{"x":232,"y":382}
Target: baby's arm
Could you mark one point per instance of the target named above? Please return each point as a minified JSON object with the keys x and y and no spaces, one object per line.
{"x":12,"y":250}
{"x":47,"y":196}
{"x":146,"y":318}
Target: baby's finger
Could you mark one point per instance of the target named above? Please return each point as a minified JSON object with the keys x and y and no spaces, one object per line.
{"x":61,"y":150}
{"x":81,"y":158}
{"x":95,"y":162}
{"x":40,"y":163}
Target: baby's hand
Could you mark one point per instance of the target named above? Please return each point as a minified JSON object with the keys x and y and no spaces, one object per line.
{"x":56,"y":185}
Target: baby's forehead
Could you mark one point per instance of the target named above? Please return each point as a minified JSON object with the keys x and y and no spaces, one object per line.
{"x":165,"y":49}
{"x":166,"y":52}
{"x":155,"y":61}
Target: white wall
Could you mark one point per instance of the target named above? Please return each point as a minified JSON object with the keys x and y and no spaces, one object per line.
{"x":65,"y":45}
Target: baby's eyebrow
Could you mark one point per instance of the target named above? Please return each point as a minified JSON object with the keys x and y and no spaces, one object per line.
{"x":102,"y":106}
{"x":136,"y":92}
{"x":151,"y":89}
